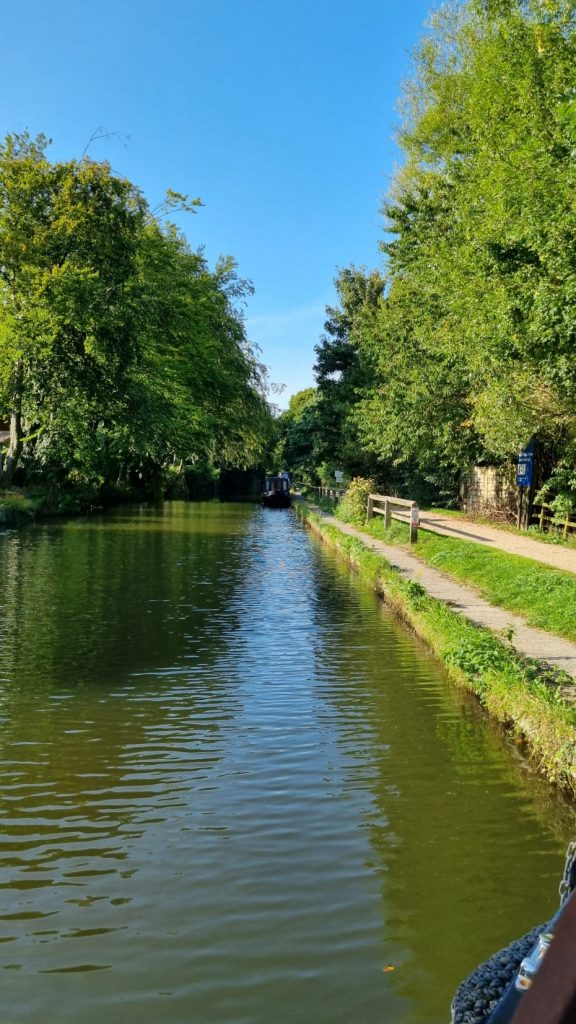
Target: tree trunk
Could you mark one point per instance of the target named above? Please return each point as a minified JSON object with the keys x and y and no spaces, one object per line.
{"x":16,"y":434}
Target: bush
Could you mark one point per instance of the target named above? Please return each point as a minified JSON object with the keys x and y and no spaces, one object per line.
{"x":562,"y":484}
{"x":352,"y":508}
{"x":15,"y":508}
{"x":175,"y":483}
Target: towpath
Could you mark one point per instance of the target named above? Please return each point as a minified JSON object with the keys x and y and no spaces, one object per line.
{"x":558,"y":556}
{"x":527,"y":640}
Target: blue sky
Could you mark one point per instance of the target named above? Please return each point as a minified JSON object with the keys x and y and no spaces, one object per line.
{"x":279,"y":114}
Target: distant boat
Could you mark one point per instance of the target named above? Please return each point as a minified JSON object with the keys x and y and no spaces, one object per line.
{"x":275,"y":491}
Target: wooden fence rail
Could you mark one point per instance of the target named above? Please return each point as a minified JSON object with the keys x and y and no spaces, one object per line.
{"x":334,"y":493}
{"x":384,"y":505}
{"x":565,"y":524}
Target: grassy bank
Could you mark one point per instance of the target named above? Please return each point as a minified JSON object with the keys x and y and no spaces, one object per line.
{"x":523,"y":695}
{"x":16,"y":508}
{"x":20,"y":505}
{"x":545,"y":597}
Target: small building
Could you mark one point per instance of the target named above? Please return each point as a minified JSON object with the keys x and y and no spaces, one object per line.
{"x":490,"y":491}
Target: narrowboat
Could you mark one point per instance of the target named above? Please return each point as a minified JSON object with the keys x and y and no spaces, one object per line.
{"x":276,"y":492}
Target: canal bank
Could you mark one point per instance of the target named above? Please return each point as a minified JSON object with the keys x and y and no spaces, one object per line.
{"x":525,"y":678}
{"x":238,"y":789}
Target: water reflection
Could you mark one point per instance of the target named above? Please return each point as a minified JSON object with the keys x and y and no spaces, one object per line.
{"x":458,"y":823}
{"x":89,"y":602}
{"x":236,"y":790}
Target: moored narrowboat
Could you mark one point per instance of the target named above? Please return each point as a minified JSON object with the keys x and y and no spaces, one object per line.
{"x":276,"y":492}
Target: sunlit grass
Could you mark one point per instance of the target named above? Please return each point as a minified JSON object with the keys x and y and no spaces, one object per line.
{"x":15,"y":507}
{"x":544,"y":596}
{"x":553,"y":536}
{"x":523,"y":694}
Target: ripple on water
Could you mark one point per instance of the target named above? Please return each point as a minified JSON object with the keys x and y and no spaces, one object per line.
{"x":237,"y":789}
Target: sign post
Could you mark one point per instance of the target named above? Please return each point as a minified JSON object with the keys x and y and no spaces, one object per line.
{"x":524,"y":477}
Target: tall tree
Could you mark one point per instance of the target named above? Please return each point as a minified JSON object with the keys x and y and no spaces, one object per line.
{"x":344,"y":368}
{"x":121,"y":351}
{"x":68,"y":241}
{"x":298,"y":435}
{"x":483,"y":212}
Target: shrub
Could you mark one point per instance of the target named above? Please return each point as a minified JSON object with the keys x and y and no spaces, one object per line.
{"x":15,"y":508}
{"x":352,"y":508}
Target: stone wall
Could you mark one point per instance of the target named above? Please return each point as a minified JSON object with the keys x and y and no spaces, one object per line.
{"x":490,"y":491}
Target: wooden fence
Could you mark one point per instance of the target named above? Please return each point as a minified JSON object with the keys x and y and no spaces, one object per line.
{"x":562,"y":524}
{"x":385,"y":504}
{"x":333,"y":493}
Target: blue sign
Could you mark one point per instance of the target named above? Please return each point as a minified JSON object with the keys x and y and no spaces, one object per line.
{"x":525,"y":467}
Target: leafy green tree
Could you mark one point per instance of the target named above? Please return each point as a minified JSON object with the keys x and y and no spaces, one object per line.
{"x":414,"y":417}
{"x":344,"y":368}
{"x":296,"y":442}
{"x":122,"y":353}
{"x":199,"y":383}
{"x":68,"y":241}
{"x":482,"y":212}
{"x":474,"y":345}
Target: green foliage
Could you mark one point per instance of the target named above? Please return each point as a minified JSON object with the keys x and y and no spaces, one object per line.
{"x":121,"y":352}
{"x":415,"y":592}
{"x":522,"y":694}
{"x":352,"y":507}
{"x":482,"y":216}
{"x":559,"y":491}
{"x":563,"y":506}
{"x":343,"y":368}
{"x":477,"y":654}
{"x":15,"y":508}
{"x":470,"y":347}
{"x":296,"y":437}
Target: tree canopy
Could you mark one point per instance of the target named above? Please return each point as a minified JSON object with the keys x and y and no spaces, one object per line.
{"x":467,"y":347}
{"x":121,"y":351}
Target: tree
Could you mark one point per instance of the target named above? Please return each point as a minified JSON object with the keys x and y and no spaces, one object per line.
{"x":297,"y":432}
{"x":121,"y":351}
{"x":198,"y":369}
{"x":474,"y":344}
{"x":68,"y":242}
{"x":344,"y":368}
{"x":482,"y":212}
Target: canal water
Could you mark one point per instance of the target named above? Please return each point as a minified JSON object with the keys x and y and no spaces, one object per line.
{"x":236,"y":791}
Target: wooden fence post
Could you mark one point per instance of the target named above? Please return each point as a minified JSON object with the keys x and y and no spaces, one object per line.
{"x":414,"y":523}
{"x":369,"y":509}
{"x":387,"y":513}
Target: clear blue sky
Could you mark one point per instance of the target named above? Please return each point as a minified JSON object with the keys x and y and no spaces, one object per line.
{"x":279,"y":114}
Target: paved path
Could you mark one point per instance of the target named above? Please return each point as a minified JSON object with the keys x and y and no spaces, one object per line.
{"x":527,"y":640}
{"x":558,"y":556}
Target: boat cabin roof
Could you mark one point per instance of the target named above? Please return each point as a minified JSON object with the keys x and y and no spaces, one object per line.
{"x":276,"y":483}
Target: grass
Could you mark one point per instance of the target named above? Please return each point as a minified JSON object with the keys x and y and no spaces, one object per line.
{"x":544,"y":596}
{"x":524,"y":695}
{"x":18,"y":507}
{"x":554,"y":536}
{"x":15,"y":508}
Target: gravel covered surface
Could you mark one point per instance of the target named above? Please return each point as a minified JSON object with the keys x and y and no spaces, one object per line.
{"x":477,"y":996}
